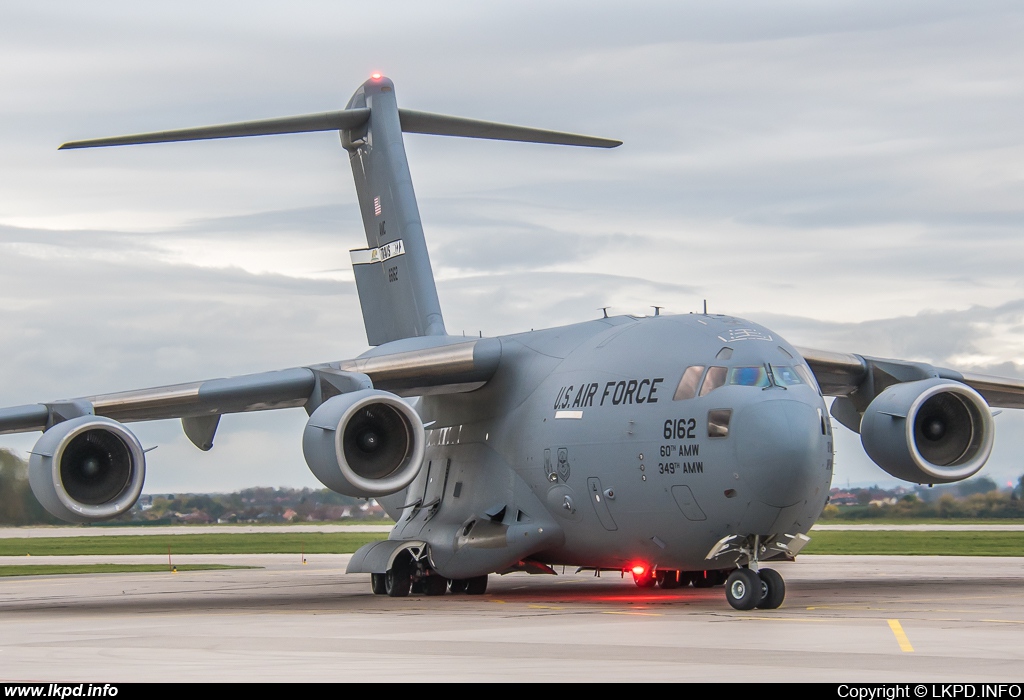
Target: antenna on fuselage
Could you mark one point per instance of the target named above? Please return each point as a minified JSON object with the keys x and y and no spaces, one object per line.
{"x":604,"y":310}
{"x":657,"y":310}
{"x":705,"y":307}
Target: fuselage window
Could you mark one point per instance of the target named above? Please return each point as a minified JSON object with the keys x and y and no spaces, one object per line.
{"x":749,"y":376}
{"x":718,"y":422}
{"x":687,"y":388}
{"x":715,"y":378}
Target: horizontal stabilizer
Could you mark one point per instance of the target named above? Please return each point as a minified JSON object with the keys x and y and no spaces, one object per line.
{"x":414,"y":122}
{"x":325,"y":121}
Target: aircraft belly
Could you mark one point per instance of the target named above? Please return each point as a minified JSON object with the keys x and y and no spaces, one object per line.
{"x":474,"y":511}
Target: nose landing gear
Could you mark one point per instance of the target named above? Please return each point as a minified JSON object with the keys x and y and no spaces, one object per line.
{"x":747,"y":589}
{"x":750,"y":586}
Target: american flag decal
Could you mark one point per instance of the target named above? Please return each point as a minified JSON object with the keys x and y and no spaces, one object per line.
{"x":376,"y":206}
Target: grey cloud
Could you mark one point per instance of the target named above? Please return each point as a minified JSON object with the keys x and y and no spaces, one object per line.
{"x":326,"y":219}
{"x":931,"y":336}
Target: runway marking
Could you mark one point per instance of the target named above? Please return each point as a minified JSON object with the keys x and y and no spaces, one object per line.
{"x":1009,"y":622}
{"x":546,"y":607}
{"x":787,"y":619}
{"x":901,"y":636}
{"x":631,"y":612}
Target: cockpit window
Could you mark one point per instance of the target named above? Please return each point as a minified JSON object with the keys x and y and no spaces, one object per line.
{"x":713,"y":379}
{"x":749,"y":376}
{"x":786,"y":376}
{"x":805,"y":374}
{"x":687,"y":388}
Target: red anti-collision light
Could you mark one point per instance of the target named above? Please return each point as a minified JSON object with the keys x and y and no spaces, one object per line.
{"x":375,"y":76}
{"x":639,"y":570}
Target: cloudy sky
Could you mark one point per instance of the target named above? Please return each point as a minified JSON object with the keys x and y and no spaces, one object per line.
{"x":850,"y":174}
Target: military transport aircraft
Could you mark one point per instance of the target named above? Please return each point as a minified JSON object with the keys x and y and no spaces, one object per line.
{"x":680,"y":449}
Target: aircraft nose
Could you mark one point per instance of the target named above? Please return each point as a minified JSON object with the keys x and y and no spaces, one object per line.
{"x":779,"y":448}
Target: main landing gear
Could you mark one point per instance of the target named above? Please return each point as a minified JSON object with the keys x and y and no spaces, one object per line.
{"x":669,"y":578}
{"x":747,"y":589}
{"x":409,"y":576}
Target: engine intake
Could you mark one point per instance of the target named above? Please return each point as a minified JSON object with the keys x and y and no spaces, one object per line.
{"x":86,"y":469}
{"x":933,"y":431}
{"x":366,"y":443}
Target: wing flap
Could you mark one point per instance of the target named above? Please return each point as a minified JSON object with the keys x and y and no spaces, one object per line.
{"x":1000,"y":392}
{"x":843,"y":374}
{"x":23,"y":419}
{"x":451,"y":366}
{"x":252,"y":392}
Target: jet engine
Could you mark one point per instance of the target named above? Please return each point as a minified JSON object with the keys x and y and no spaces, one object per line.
{"x":933,"y":431}
{"x":86,"y":469}
{"x":366,"y":443}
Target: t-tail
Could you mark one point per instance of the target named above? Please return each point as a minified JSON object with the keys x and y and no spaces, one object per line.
{"x":393,"y":276}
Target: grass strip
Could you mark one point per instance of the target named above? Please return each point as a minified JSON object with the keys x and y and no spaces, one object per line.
{"x":63,"y":569}
{"x":941,"y":543}
{"x":920,"y":521}
{"x":205,"y":543}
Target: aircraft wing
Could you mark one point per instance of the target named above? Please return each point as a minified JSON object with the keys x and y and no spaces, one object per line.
{"x":449,"y":368}
{"x":857,"y":379}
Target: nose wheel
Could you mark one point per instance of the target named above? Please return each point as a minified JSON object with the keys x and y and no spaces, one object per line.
{"x":747,"y":589}
{"x":773,"y":589}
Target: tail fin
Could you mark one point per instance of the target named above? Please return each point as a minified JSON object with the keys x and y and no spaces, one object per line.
{"x":393,"y":274}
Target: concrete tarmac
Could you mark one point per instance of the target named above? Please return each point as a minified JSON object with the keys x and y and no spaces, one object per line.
{"x":846,"y":618}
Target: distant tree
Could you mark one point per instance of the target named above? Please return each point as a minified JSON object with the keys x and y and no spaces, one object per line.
{"x":981,"y":484}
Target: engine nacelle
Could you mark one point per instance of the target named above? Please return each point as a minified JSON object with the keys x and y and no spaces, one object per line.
{"x":86,"y":469}
{"x":366,"y":443}
{"x":933,"y":431}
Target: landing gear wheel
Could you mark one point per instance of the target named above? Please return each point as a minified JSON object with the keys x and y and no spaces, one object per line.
{"x":743,"y":589}
{"x":377,"y":584}
{"x":773,"y":589}
{"x":476,"y":585}
{"x":397,"y":581}
{"x":435,"y":585}
{"x":705,"y":579}
{"x":645,"y":580}
{"x":457,"y":585}
{"x":668,"y":579}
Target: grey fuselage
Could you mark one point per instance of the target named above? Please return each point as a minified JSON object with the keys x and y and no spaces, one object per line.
{"x":576,"y":451}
